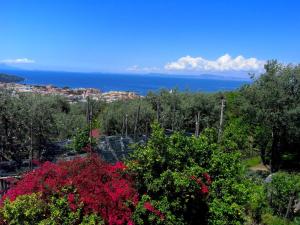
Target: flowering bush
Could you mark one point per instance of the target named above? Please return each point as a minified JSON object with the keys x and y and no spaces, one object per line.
{"x":169,"y":170}
{"x":86,"y":184}
{"x":149,"y":211}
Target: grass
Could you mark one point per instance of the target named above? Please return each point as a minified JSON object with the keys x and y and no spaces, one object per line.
{"x":253,"y":161}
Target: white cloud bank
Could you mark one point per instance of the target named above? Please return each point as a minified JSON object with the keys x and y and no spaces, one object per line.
{"x":18,"y":61}
{"x":222,"y":64}
{"x":136,"y":68}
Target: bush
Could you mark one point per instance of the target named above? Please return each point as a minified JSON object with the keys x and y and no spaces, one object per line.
{"x":169,"y":170}
{"x":282,"y":189}
{"x":74,"y":189}
{"x":26,"y":209}
{"x":81,"y":141}
{"x":31,"y":209}
{"x":269,"y":219}
{"x":149,"y":211}
{"x":230,"y":191}
{"x":258,"y":204}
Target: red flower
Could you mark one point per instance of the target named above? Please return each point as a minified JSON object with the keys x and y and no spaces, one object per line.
{"x":193,"y":177}
{"x":207,"y":178}
{"x":204,"y":189}
{"x":71,"y":198}
{"x":100,"y":187}
{"x":95,"y":133}
{"x":88,"y":148}
{"x":150,"y":207}
{"x":199,"y":181}
{"x":36,"y":162}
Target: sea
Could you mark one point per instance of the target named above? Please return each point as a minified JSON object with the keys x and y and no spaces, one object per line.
{"x":140,"y":84}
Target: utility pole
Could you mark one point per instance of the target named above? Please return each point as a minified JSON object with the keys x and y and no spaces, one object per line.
{"x":123,"y":126}
{"x":87,"y":110}
{"x":31,"y":137}
{"x":197,"y":120}
{"x":136,"y":121}
{"x":89,"y":114}
{"x":221,"y":118}
{"x":31,"y":147}
{"x":173,"y":110}
{"x":157,"y":110}
{"x":91,"y":118}
{"x":173,"y":117}
{"x":126,"y":125}
{"x":146,"y":130}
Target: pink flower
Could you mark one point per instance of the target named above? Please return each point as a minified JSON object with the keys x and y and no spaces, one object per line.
{"x":204,"y":189}
{"x":95,"y":133}
{"x":150,"y":207}
{"x":207,"y":178}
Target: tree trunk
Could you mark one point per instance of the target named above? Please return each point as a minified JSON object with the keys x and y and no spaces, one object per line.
{"x":263,"y":155}
{"x":275,"y":152}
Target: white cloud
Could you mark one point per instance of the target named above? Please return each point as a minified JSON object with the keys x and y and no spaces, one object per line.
{"x":136,"y":68}
{"x":18,"y":61}
{"x":221,"y":64}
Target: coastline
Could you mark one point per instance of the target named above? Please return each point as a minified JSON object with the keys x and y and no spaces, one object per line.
{"x":140,"y":84}
{"x":72,"y":94}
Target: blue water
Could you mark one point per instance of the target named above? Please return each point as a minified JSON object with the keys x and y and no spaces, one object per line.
{"x":125,"y":82}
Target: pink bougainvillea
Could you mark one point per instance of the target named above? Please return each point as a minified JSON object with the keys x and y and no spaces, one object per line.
{"x":102,"y":188}
{"x":150,"y":207}
{"x":95,"y":133}
{"x":203,"y":184}
{"x":208,"y":178}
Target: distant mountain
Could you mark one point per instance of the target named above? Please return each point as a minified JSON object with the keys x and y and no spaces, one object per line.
{"x":204,"y":76}
{"x":5,"y":78}
{"x":221,"y":77}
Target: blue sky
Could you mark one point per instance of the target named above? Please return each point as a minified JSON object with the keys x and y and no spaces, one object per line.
{"x":169,"y":36}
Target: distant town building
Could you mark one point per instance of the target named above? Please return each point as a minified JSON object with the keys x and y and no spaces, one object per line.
{"x":73,"y":95}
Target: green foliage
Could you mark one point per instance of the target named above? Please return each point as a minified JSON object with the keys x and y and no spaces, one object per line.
{"x":230,"y":191}
{"x":283,"y":188}
{"x":173,"y":110}
{"x":274,"y":100}
{"x":113,"y":117}
{"x":81,"y":140}
{"x":92,"y":219}
{"x":143,"y":216}
{"x":237,"y":132}
{"x":25,"y":210}
{"x":31,"y":209}
{"x":253,"y":161}
{"x":269,"y":219}
{"x":31,"y":120}
{"x":59,"y":212}
{"x":258,"y":203}
{"x":164,"y":169}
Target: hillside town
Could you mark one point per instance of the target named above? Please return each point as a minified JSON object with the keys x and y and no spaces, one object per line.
{"x":72,"y":94}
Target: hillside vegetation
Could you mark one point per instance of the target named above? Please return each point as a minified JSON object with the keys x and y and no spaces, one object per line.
{"x":5,"y":78}
{"x":219,"y":158}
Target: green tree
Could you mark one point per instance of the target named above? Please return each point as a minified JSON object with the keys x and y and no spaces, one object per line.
{"x":274,"y":100}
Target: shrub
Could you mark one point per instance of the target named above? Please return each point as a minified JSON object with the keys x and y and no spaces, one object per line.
{"x":169,"y":170}
{"x":269,"y":219}
{"x":81,"y":141}
{"x":26,"y":209}
{"x":230,"y":191}
{"x":86,"y":184}
{"x":282,"y":189}
{"x":149,"y":211}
